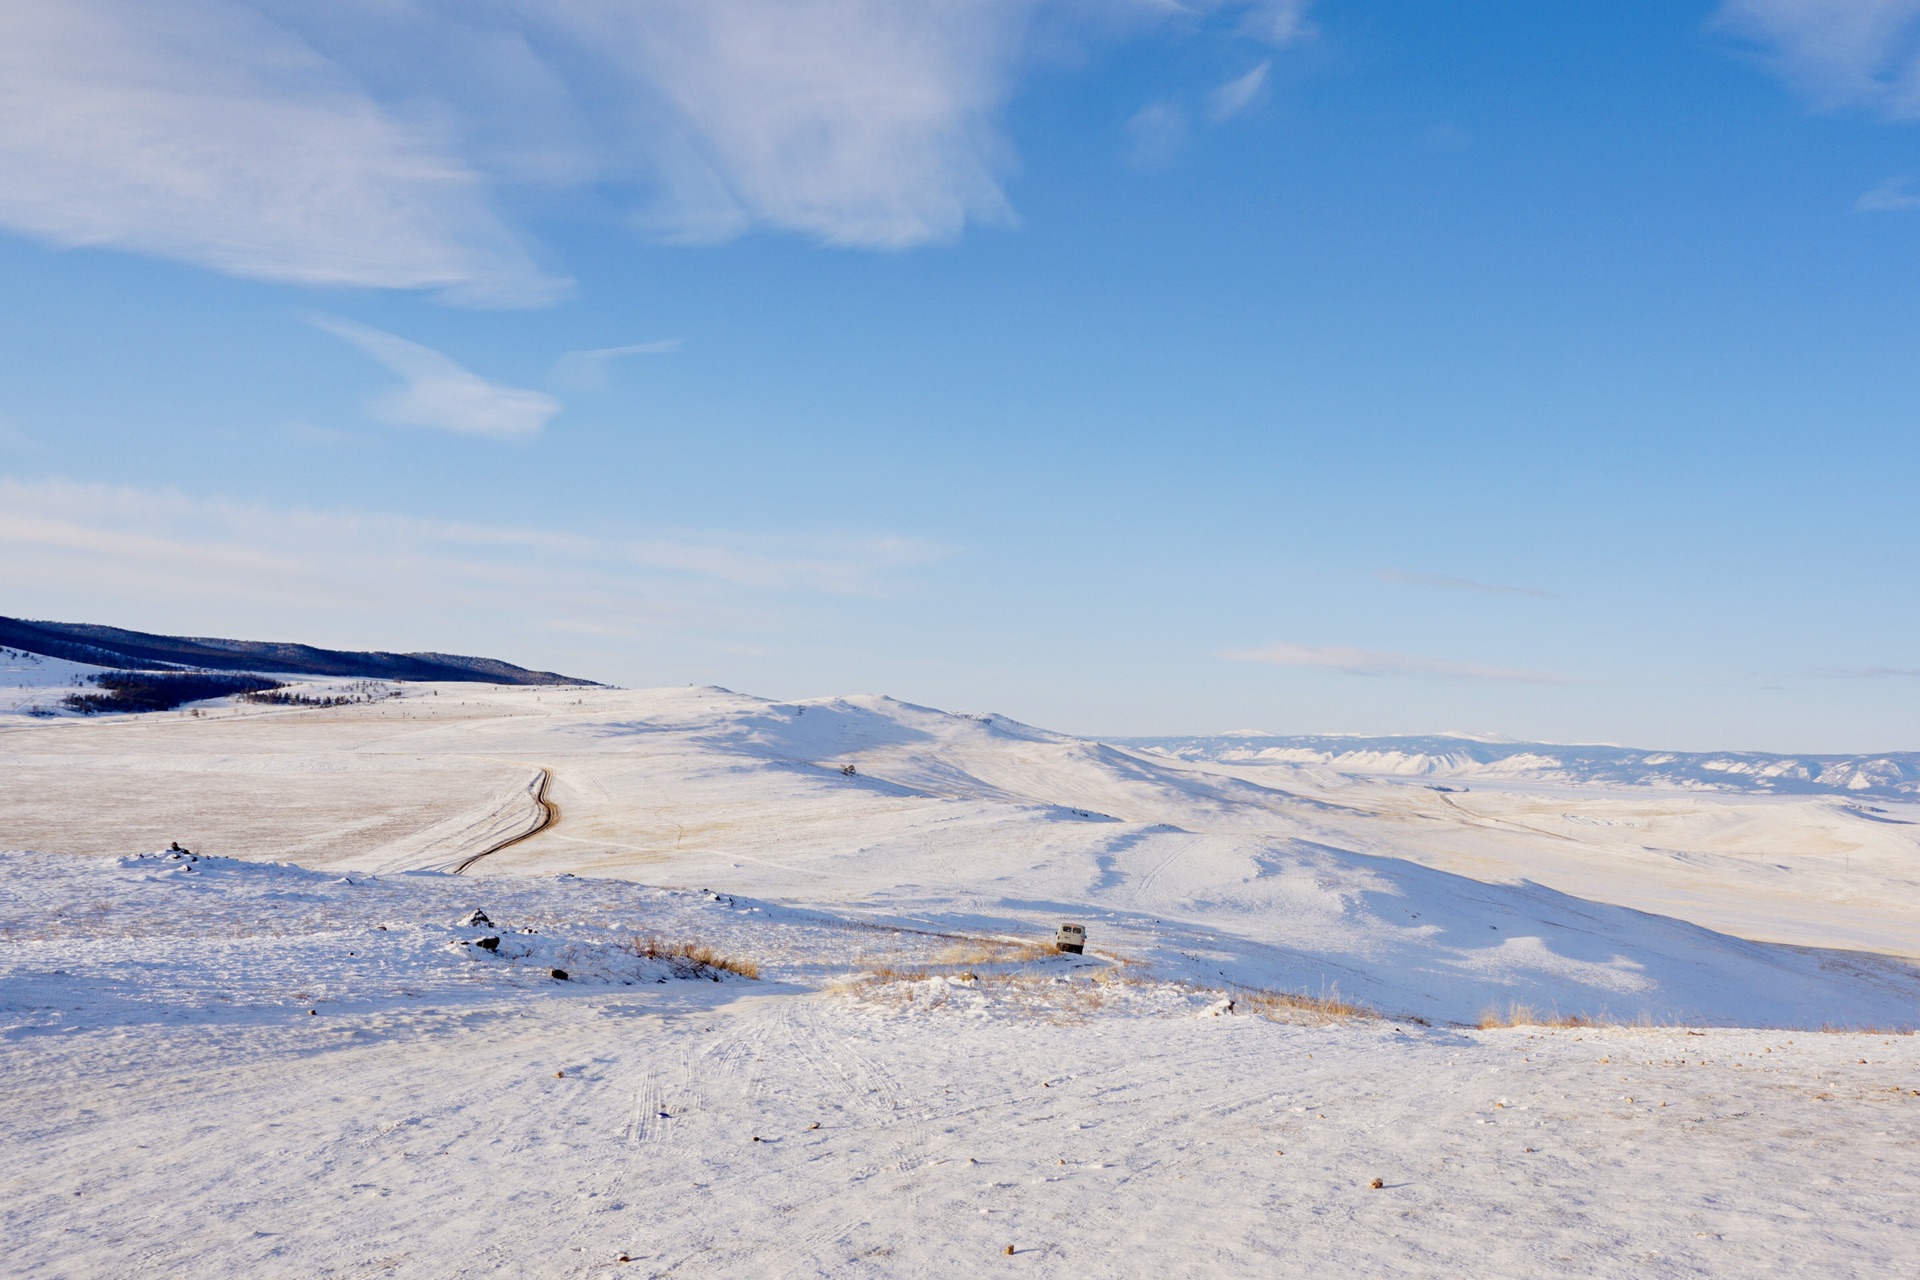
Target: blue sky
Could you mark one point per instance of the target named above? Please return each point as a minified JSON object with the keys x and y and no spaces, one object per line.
{"x":1126,"y":367}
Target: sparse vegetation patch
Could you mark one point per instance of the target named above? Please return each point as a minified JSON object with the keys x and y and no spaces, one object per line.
{"x":692,"y":959}
{"x":161,"y":691}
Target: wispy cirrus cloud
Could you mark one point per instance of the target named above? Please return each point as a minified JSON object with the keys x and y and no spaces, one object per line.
{"x":1447,"y":583}
{"x":587,"y":370}
{"x":1841,"y":53}
{"x":438,"y":392}
{"x":1237,"y":94}
{"x":1895,"y":195}
{"x":118,"y":543}
{"x":205,"y":131}
{"x":1155,"y":134}
{"x":384,"y":142}
{"x":1862,"y":54}
{"x":1158,"y":132}
{"x":1280,"y":22}
{"x":1372,"y":662}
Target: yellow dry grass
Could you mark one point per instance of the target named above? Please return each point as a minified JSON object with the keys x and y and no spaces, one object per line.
{"x":1525,"y":1015}
{"x":1289,"y":1006}
{"x":975,"y":952}
{"x":697,"y":954}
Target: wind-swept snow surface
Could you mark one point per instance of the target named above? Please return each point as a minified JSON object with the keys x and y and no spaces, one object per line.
{"x":221,"y":1066}
{"x":228,"y":1069}
{"x":34,"y":685}
{"x":982,"y":824}
{"x":1894,"y":775}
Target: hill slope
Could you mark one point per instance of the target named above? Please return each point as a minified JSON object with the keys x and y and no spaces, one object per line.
{"x":1889,"y":775}
{"x":1707,"y":910}
{"x":142,"y":651}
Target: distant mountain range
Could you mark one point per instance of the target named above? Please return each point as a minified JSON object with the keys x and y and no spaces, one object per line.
{"x":1895,"y":775}
{"x":142,"y":651}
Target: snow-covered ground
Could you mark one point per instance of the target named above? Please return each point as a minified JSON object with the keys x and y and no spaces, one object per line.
{"x":222,"y":1066}
{"x":1893,"y":775}
{"x":32,"y":684}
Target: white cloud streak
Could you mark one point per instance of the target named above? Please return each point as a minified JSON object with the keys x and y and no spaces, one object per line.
{"x":1892,"y":196}
{"x":199,"y":130}
{"x":1841,"y":53}
{"x":438,"y":392}
{"x":1370,"y":662}
{"x":587,"y":370}
{"x":1155,"y":135}
{"x":377,"y":142}
{"x":867,"y":123}
{"x":1280,"y":22}
{"x":113,"y":544}
{"x":1237,"y":94}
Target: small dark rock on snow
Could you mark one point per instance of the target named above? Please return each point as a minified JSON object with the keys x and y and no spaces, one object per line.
{"x":560,"y":975}
{"x":475,"y":918}
{"x":489,"y":943}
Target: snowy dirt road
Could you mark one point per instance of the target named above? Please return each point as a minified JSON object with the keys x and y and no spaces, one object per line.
{"x":545,"y":814}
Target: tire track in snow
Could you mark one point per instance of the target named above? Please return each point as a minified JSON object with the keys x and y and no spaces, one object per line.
{"x":547,"y":814}
{"x":1145,"y":882}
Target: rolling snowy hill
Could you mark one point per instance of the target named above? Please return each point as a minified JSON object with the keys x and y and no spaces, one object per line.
{"x":1270,"y":1061}
{"x":978,"y":823}
{"x":1893,"y":775}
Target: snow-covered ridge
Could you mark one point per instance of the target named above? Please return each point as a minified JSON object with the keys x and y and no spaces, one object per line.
{"x":35,"y":685}
{"x":1893,"y":775}
{"x":1672,"y":906}
{"x":325,"y":1068}
{"x":230,"y":1069}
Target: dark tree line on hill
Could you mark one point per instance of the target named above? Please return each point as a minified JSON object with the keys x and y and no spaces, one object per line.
{"x":161,"y":691}
{"x":143,"y":651}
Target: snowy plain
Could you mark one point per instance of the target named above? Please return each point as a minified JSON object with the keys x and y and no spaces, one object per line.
{"x":286,"y":1056}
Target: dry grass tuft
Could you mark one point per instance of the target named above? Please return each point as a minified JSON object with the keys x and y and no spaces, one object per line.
{"x":1288,"y":1006}
{"x":994,"y":968}
{"x":978,"y":952}
{"x":880,"y":973}
{"x":1524,"y":1015}
{"x":696,"y":956}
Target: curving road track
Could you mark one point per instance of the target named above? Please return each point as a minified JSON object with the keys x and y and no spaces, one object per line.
{"x":549,"y":813}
